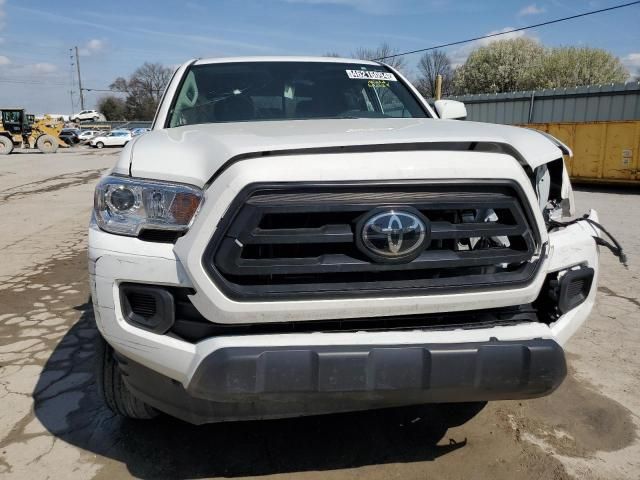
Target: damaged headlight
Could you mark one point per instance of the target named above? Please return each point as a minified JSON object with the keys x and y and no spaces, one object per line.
{"x":553,"y":189}
{"x":126,"y":206}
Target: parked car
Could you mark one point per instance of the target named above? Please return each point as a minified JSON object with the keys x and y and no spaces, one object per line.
{"x":70,"y":136}
{"x":86,"y":115}
{"x":115,"y":138}
{"x":323,"y":240}
{"x":139,"y":131}
{"x":86,"y":135}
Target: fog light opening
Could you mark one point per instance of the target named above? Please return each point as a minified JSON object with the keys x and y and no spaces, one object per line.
{"x":575,"y":286}
{"x":147,"y":307}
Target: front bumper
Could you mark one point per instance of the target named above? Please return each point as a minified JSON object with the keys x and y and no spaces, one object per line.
{"x":257,"y":382}
{"x":209,"y":376}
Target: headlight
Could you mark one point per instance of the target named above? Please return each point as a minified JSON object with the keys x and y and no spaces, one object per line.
{"x":127,"y":206}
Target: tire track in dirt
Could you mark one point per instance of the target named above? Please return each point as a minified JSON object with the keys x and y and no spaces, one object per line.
{"x":51,"y":184}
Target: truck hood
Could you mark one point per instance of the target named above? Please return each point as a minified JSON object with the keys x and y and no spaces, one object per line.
{"x":193,"y":154}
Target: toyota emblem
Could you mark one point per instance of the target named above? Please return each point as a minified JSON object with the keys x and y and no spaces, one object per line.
{"x":393,"y":234}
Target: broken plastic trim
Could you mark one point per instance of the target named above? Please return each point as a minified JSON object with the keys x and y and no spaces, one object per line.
{"x":613,"y":246}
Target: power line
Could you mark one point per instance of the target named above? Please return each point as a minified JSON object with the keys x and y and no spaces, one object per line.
{"x":549,"y":22}
{"x":102,"y":90}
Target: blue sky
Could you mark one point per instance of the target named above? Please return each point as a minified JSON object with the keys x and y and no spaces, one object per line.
{"x":115,"y":36}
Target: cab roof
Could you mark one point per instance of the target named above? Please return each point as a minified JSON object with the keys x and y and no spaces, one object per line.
{"x":286,"y":58}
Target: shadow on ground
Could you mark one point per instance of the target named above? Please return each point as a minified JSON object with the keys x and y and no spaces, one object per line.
{"x":616,"y":188}
{"x":67,"y":404}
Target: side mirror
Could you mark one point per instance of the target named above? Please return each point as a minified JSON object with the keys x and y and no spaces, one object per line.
{"x":451,"y":109}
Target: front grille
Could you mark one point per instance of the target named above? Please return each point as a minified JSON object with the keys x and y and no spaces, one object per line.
{"x":296,"y":241}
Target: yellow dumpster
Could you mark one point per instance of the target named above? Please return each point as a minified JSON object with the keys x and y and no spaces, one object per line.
{"x":602,"y":151}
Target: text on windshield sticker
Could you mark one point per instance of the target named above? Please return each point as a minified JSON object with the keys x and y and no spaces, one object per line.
{"x":370,"y":75}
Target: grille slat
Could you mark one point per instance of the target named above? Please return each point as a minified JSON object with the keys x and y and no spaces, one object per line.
{"x":326,"y":234}
{"x":298,"y":240}
{"x":228,"y":261}
{"x":446,"y":230}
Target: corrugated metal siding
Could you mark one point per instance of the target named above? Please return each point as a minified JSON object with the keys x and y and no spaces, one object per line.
{"x":581,"y":104}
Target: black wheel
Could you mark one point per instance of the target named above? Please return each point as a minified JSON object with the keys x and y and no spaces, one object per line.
{"x":47,"y":144}
{"x":99,"y":145}
{"x":6,"y":145}
{"x":112,"y":388}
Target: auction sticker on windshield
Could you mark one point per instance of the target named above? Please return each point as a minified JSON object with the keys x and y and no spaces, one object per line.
{"x":371,"y":75}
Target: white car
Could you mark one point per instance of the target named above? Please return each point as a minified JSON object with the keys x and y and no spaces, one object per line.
{"x":85,"y":135}
{"x":115,"y":138}
{"x":301,"y":235}
{"x":86,"y":115}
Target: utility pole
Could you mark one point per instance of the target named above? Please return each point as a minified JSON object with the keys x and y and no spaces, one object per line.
{"x":79,"y":80}
{"x":438,"y":87}
{"x":71,"y":65}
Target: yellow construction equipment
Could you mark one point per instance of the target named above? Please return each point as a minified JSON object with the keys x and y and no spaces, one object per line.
{"x":606,"y":152}
{"x":22,"y":130}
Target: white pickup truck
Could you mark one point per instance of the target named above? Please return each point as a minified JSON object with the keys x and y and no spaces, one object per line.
{"x":301,"y":235}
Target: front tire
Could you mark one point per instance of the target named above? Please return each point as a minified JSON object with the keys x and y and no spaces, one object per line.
{"x":99,"y":145}
{"x":112,"y":388}
{"x":6,"y":145}
{"x":47,"y":144}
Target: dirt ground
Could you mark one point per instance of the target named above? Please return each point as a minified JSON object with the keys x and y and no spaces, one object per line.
{"x":52,"y":424}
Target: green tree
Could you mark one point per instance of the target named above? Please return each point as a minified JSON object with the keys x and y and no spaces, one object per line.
{"x":524,"y":64}
{"x":501,"y":66}
{"x":113,"y":108}
{"x":143,"y":89}
{"x":575,"y":66}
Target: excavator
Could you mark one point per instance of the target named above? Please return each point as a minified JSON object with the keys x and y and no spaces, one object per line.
{"x":19,"y":129}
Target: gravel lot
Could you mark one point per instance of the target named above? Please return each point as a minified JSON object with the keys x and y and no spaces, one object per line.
{"x":52,"y":424}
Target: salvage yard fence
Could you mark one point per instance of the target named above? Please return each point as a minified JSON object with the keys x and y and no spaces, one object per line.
{"x":594,"y":103}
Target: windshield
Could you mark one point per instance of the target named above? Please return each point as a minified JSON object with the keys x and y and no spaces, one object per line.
{"x":260,"y":91}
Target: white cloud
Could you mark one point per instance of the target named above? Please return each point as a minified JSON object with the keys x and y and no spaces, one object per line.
{"x":28,"y":70}
{"x":206,"y":40}
{"x":43,"y":68}
{"x":632,"y":62}
{"x":377,"y":7}
{"x":507,"y":33}
{"x":93,"y":47}
{"x":532,"y":9}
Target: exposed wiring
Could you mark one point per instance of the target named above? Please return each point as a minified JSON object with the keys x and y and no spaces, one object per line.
{"x":614,"y":246}
{"x":490,"y":35}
